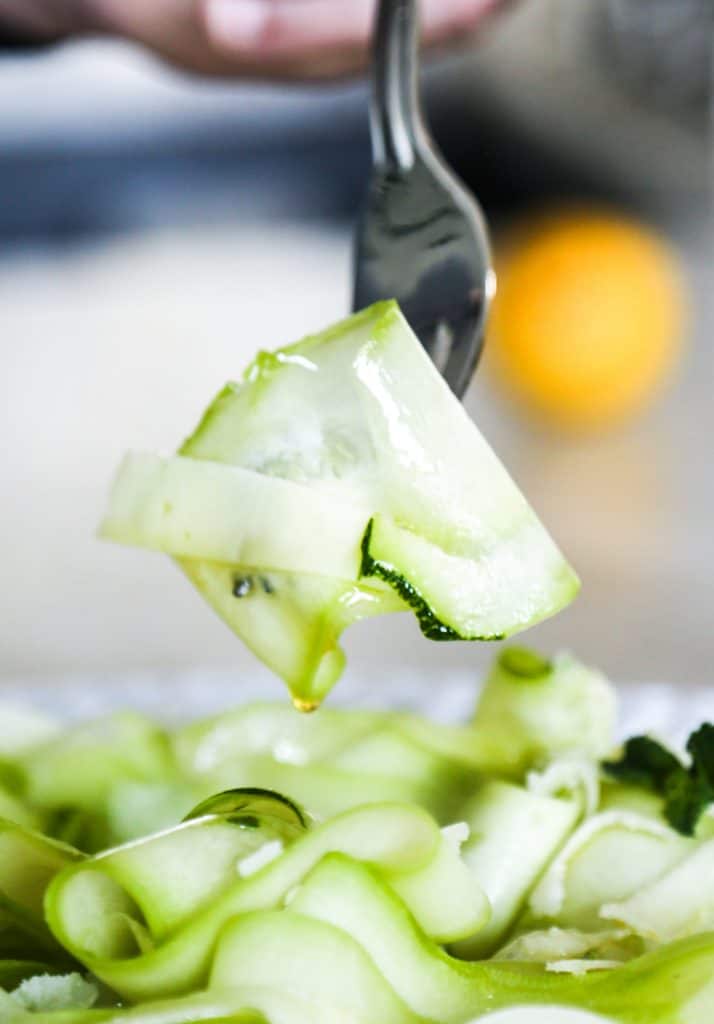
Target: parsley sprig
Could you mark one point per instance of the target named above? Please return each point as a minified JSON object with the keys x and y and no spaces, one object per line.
{"x":687,"y":789}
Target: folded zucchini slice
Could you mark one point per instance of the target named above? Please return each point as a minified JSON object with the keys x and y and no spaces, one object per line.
{"x":358,"y":485}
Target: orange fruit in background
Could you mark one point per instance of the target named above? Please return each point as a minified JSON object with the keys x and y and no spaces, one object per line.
{"x":588,"y":318}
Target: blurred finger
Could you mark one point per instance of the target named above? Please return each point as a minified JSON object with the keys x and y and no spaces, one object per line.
{"x":284,"y":29}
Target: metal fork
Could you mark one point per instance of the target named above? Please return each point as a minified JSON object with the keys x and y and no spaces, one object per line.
{"x":422,"y":238}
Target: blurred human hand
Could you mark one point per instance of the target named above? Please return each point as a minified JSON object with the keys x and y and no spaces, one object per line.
{"x":300,"y":39}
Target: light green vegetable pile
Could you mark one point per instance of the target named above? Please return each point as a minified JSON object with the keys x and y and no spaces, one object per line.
{"x":355,"y":867}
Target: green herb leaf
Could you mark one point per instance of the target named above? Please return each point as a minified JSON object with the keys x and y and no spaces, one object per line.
{"x":700,"y":746}
{"x":645,"y":762}
{"x":687,"y":791}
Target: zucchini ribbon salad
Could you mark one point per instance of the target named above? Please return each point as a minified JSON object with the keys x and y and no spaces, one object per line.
{"x":354,"y":866}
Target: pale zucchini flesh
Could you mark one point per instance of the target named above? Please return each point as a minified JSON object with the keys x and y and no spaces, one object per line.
{"x":216,"y":513}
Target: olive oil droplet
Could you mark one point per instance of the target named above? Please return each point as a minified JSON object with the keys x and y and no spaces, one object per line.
{"x":305,"y":706}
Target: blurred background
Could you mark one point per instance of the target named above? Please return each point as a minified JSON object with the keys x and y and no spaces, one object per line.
{"x":156,"y":230}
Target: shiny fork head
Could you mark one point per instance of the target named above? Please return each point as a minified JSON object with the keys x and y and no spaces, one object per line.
{"x":422,"y":239}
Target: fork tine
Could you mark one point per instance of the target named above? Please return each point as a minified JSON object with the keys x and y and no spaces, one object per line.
{"x":421,"y":239}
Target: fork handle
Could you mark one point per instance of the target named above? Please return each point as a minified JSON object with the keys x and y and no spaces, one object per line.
{"x":395,"y":115}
